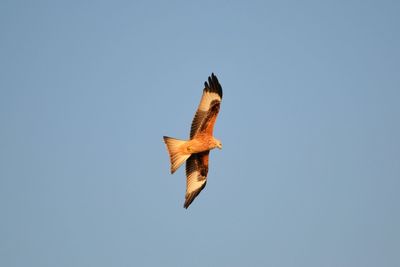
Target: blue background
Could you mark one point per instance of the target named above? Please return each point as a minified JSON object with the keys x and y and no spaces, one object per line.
{"x":310,"y":170}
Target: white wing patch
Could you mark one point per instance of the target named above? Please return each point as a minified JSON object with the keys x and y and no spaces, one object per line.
{"x":206,"y":100}
{"x":194,"y":182}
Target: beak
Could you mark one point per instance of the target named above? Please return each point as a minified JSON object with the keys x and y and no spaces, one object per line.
{"x":220,"y":146}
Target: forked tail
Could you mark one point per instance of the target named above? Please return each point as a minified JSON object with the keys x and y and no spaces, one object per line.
{"x":175,"y":152}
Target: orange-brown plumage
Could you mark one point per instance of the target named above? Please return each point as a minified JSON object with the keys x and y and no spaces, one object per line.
{"x":195,"y":151}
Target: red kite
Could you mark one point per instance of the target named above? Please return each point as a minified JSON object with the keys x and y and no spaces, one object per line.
{"x":195,"y":151}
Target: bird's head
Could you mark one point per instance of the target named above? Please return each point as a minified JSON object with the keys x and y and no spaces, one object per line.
{"x":217,"y":143}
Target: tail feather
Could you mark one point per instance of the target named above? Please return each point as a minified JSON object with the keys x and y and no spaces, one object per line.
{"x":175,"y":153}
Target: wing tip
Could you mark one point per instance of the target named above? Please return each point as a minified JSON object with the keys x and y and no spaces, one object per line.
{"x":188,"y":201}
{"x":191,"y":196}
{"x":213,"y":85}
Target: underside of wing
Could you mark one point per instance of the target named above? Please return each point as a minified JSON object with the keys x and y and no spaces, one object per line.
{"x":208,"y":109}
{"x":196,"y":176}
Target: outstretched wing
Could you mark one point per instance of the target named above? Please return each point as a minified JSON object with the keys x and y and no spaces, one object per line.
{"x":196,"y":176}
{"x":208,"y":109}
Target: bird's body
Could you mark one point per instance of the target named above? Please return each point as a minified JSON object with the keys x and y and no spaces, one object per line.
{"x":200,"y":143}
{"x":195,"y":151}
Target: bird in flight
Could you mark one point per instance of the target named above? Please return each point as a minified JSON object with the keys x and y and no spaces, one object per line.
{"x":195,"y":151}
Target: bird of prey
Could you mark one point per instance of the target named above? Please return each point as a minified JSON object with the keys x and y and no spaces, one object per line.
{"x":195,"y":151}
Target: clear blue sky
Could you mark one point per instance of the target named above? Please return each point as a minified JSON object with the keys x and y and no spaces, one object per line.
{"x":310,"y":170}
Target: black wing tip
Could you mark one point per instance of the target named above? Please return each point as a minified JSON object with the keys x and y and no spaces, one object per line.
{"x":189,"y":199}
{"x":213,"y":85}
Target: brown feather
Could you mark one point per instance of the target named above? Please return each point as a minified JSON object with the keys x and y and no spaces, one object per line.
{"x":208,"y":124}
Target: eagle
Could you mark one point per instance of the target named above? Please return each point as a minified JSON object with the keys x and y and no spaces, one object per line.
{"x":196,"y":150}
